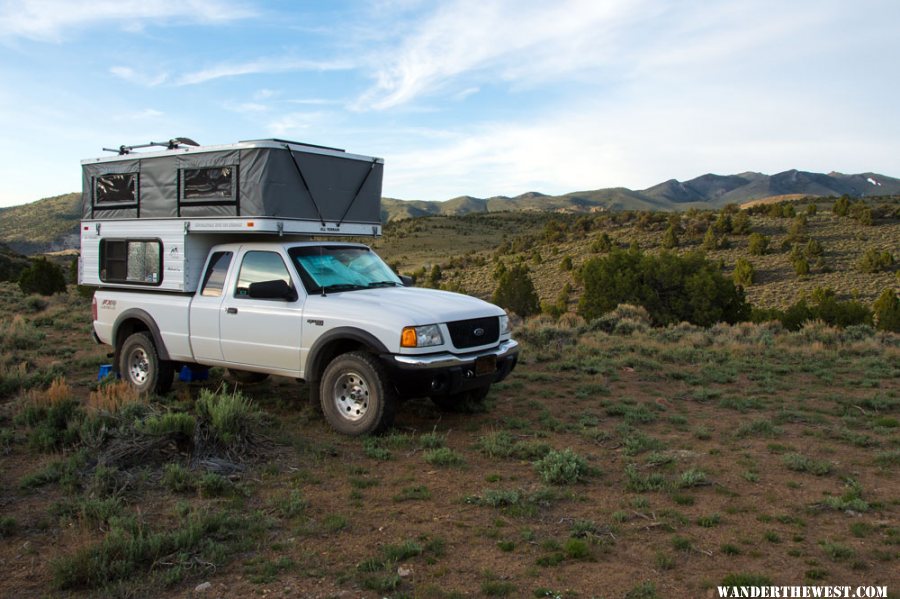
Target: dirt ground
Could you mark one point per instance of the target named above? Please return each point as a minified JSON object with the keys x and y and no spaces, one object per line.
{"x":704,"y":455}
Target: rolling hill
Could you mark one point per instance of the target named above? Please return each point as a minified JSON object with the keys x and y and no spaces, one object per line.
{"x":51,"y":224}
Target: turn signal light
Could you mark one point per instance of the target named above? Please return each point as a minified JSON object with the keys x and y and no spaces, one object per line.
{"x":408,"y":337}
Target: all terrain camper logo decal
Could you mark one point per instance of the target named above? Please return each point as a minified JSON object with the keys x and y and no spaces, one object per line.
{"x":174,"y":256}
{"x":108,"y":304}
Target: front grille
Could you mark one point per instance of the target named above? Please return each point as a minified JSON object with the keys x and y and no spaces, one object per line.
{"x":462,"y":332}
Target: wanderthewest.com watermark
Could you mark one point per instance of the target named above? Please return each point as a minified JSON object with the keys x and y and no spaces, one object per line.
{"x":791,"y":592}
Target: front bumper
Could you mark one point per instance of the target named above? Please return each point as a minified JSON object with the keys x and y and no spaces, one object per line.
{"x":446,"y":374}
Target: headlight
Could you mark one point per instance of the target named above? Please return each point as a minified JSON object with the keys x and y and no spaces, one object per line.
{"x":424,"y":336}
{"x":504,"y":325}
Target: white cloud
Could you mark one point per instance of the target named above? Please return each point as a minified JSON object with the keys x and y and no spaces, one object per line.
{"x":507,"y":39}
{"x":262,"y":65}
{"x":54,"y":20}
{"x":139,"y":78}
{"x":638,"y":142}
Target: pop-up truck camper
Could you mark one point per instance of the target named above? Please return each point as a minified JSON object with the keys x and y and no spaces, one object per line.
{"x":205,"y":256}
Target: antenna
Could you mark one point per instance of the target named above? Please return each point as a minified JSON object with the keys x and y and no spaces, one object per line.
{"x":172,"y":144}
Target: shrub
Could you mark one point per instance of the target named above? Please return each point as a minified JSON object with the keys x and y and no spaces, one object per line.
{"x":176,"y":424}
{"x":758,"y":244}
{"x":18,"y":333}
{"x":801,"y":463}
{"x":42,"y":277}
{"x":624,"y":320}
{"x":214,"y":485}
{"x":443,"y":456}
{"x":740,"y":224}
{"x":710,"y":240}
{"x":177,"y":478}
{"x":35,"y":303}
{"x":112,"y":397}
{"x":743,"y":273}
{"x":841,"y":206}
{"x":515,"y":291}
{"x":862,"y":213}
{"x":602,"y":244}
{"x":671,"y":287}
{"x":886,"y":311}
{"x":562,"y":467}
{"x":826,"y":308}
{"x":229,"y":419}
{"x":873,"y":261}
{"x":801,"y":265}
{"x":53,"y":416}
{"x":670,"y":238}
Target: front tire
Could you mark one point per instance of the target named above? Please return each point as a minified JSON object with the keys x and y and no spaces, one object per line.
{"x":141,"y":367}
{"x":356,"y":395}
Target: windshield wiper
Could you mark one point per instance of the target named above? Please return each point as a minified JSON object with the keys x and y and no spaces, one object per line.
{"x":384,"y":284}
{"x":342,"y":287}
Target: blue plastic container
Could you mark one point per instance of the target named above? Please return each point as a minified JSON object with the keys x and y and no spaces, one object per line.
{"x":105,"y":370}
{"x":197,"y":373}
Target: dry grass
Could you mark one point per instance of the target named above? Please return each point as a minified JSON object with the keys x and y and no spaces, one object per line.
{"x":112,"y":398}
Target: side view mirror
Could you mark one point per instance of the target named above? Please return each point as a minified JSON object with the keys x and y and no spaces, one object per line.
{"x":407,"y":281}
{"x":275,"y":289}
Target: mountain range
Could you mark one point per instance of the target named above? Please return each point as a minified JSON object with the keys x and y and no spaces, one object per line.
{"x":51,"y":224}
{"x":705,"y":192}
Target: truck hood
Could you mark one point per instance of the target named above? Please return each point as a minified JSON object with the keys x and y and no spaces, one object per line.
{"x":401,"y":306}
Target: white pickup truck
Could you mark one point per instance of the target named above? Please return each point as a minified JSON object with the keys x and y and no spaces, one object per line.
{"x":331,"y":314}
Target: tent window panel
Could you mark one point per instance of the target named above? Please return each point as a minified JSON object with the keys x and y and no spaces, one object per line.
{"x":208,"y":184}
{"x":131,"y":261}
{"x":116,"y":189}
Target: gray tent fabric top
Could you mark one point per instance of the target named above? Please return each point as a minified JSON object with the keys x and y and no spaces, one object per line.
{"x":265,"y":178}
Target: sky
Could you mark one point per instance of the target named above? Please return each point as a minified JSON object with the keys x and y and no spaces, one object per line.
{"x":464,"y":97}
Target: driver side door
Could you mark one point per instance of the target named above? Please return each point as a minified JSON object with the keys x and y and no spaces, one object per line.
{"x":263,"y":333}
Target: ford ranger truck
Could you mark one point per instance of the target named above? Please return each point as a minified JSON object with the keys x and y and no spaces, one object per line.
{"x":331,"y":314}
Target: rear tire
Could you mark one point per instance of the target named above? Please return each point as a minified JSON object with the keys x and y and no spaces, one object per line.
{"x":246,"y":377}
{"x":356,"y":395}
{"x":141,"y":367}
{"x":466,"y":401}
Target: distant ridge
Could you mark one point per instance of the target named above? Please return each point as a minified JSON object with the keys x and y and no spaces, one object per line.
{"x":51,"y":224}
{"x":704,"y":192}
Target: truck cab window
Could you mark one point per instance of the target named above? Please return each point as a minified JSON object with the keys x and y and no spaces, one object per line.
{"x":214,"y":279}
{"x":258,"y":267}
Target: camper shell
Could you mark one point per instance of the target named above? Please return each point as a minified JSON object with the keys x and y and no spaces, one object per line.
{"x":150,"y":218}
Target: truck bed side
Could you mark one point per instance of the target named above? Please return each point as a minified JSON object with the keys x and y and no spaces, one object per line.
{"x":168,"y":312}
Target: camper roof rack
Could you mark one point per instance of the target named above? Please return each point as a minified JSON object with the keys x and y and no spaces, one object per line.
{"x":172,"y":144}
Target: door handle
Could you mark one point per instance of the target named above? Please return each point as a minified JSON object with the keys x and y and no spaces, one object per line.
{"x":231,"y":310}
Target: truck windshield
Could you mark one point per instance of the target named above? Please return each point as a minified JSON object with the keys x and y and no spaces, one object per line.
{"x":341,"y":268}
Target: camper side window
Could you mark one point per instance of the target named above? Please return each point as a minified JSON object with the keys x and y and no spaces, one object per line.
{"x":131,"y":261}
{"x":213,"y":185}
{"x":116,"y":189}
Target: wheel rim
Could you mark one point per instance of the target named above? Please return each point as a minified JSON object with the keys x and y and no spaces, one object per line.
{"x":138,"y":366}
{"x":351,"y":395}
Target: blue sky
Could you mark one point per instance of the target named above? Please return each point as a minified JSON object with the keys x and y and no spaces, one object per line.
{"x":489,"y":97}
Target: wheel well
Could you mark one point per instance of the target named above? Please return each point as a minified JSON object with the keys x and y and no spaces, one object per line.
{"x":331,"y":350}
{"x":127,"y":329}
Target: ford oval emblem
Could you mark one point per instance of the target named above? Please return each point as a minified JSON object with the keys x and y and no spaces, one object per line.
{"x":479,"y":332}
